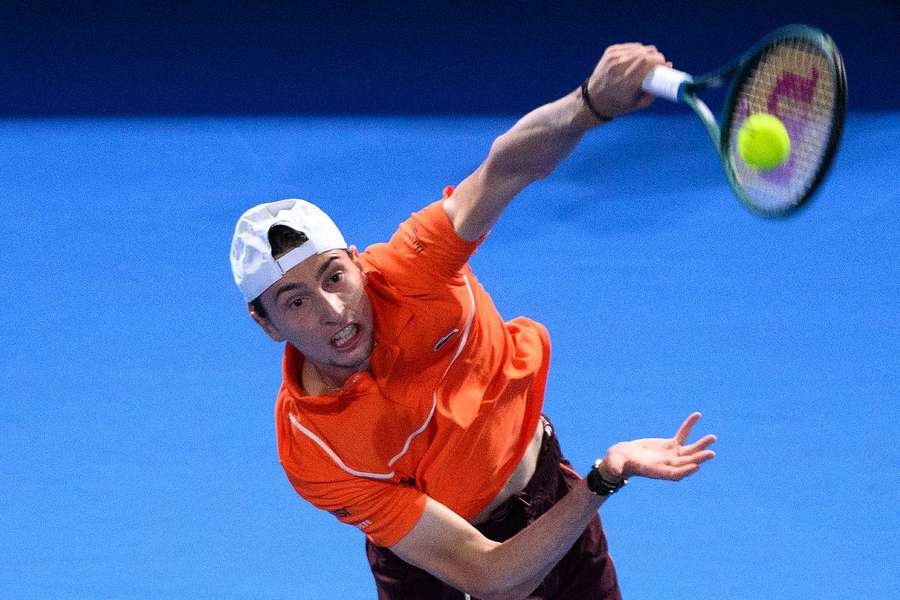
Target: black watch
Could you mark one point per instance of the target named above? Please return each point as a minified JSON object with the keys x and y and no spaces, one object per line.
{"x":600,"y":486}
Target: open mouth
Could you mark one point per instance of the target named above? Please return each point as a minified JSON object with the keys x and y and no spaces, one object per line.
{"x":346,"y":337}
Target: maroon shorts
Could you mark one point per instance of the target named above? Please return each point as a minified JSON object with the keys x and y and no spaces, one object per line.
{"x":586,"y":572}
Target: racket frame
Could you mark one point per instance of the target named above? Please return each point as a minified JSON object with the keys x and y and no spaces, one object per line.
{"x":733,"y":74}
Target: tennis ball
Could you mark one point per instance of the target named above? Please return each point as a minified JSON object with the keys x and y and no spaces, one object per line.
{"x":763,"y":142}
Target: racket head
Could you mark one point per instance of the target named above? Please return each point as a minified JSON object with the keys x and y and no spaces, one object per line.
{"x":797,"y":74}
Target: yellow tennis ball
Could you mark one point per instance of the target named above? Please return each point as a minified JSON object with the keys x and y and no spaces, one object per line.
{"x":763,"y":142}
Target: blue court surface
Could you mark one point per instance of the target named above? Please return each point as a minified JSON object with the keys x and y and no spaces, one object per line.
{"x":138,"y":449}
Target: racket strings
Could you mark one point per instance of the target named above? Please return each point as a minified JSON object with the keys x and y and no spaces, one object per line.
{"x":793,"y":80}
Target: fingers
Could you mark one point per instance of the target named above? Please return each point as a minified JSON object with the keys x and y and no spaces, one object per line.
{"x":645,"y":100}
{"x":681,"y":467}
{"x":699,"y":445}
{"x":620,"y":48}
{"x":679,"y":473}
{"x":615,"y":84}
{"x":690,"y":457}
{"x":685,"y":430}
{"x":698,"y":458}
{"x":672,"y":473}
{"x":639,"y":61}
{"x":635,"y":59}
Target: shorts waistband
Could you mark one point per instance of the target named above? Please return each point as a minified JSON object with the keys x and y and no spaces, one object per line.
{"x":541,"y":491}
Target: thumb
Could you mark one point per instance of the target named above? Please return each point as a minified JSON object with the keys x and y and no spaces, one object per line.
{"x":645,"y":100}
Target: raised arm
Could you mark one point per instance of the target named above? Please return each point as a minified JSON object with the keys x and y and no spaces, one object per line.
{"x":545,"y":136}
{"x":449,"y":548}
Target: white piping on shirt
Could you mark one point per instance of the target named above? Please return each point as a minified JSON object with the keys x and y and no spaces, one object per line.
{"x":337,"y":459}
{"x":333,"y":454}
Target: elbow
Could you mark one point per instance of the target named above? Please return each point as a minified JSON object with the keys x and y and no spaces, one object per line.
{"x":493,"y":596}
{"x":485,"y":584}
{"x":478,"y":583}
{"x":489,"y":594}
{"x":483,"y":591}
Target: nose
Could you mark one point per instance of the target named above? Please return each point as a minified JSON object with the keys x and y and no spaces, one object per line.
{"x":332,"y":307}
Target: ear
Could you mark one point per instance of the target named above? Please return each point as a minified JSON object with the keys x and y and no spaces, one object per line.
{"x":354,"y":256}
{"x":266,"y":324}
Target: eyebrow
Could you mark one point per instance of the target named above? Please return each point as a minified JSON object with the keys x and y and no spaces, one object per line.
{"x":319,"y":272}
{"x":289,"y":287}
{"x":324,"y":266}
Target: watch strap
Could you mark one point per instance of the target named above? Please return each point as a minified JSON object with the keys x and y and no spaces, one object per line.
{"x":597,"y":484}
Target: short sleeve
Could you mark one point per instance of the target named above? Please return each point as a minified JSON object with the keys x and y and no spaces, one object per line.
{"x":383,"y":510}
{"x":424,"y":250}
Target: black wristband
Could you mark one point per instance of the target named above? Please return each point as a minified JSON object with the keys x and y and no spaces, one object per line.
{"x":587,"y":102}
{"x":600,"y":486}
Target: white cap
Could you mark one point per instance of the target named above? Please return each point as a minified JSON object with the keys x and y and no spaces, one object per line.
{"x":252,"y":264}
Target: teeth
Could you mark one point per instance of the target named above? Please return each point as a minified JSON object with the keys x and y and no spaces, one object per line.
{"x":344,"y":334}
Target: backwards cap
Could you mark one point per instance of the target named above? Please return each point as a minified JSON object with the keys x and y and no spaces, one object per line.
{"x":252,"y":263}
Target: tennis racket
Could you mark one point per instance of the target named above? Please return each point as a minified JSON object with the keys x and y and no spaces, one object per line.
{"x":795,"y":73}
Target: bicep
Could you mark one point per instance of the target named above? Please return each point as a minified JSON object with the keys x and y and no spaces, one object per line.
{"x":447,"y":546}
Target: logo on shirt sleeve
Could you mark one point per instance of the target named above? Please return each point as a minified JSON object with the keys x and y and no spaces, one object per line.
{"x":412,"y":238}
{"x":341,"y":513}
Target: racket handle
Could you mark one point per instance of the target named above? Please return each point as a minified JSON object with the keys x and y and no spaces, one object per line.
{"x":664,"y":82}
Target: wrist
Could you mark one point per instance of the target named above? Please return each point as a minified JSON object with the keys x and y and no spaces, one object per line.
{"x":609,"y":474}
{"x":602,"y":482}
{"x":599,"y":116}
{"x":580,"y":118}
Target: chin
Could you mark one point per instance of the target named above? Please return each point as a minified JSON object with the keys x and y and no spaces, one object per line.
{"x":359,"y":360}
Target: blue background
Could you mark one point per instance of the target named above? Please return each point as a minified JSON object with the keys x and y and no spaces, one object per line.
{"x":388,"y":57}
{"x":138,"y":454}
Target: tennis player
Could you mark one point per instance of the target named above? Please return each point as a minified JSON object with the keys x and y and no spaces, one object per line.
{"x":410,"y":409}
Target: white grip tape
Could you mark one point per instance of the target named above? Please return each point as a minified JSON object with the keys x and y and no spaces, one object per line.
{"x":664,"y":82}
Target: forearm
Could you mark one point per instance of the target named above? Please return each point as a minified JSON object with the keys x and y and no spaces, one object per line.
{"x":546,"y":540}
{"x":533,"y":147}
{"x":450,"y":548}
{"x":540,"y":140}
{"x":520,"y":564}
{"x":529,"y":151}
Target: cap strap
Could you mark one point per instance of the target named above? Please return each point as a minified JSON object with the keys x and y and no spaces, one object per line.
{"x":295,"y":257}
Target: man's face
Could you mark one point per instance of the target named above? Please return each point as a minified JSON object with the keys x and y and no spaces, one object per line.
{"x":321,"y":307}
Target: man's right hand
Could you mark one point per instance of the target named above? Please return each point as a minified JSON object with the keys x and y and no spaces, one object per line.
{"x":615,"y":85}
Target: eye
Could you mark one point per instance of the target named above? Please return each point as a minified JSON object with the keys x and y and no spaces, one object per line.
{"x":297,"y":302}
{"x":336,"y":277}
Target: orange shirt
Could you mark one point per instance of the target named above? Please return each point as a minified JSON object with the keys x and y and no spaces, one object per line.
{"x":447,"y":408}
